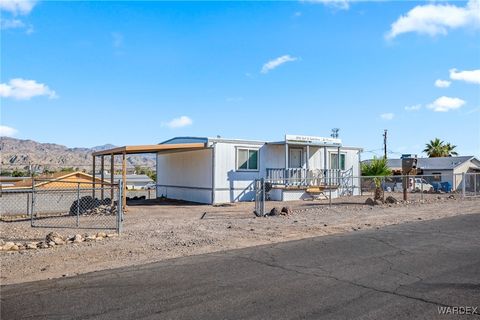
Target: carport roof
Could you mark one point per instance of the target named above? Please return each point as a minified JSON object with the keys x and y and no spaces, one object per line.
{"x":153,"y":148}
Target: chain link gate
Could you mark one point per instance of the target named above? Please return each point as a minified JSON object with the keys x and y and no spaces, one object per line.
{"x":76,"y":205}
{"x":259,"y":197}
{"x":469,"y":183}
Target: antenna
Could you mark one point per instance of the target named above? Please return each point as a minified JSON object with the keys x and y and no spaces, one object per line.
{"x":334,"y":133}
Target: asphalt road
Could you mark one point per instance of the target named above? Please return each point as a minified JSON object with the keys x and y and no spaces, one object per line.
{"x":399,"y":272}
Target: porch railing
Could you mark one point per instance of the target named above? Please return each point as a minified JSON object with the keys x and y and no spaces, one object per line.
{"x":304,"y":177}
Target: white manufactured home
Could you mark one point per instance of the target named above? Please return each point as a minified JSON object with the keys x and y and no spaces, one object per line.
{"x":218,"y":170}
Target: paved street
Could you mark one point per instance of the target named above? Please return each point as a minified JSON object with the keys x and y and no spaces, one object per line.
{"x":404,"y":271}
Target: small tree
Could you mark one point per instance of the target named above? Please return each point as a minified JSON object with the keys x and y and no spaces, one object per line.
{"x":376,"y":168}
{"x":19,"y":173}
{"x":147,"y":171}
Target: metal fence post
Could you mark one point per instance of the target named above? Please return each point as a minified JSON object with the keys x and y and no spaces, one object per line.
{"x":463,"y":184}
{"x":475,"y":184}
{"x":330,"y":196}
{"x":421,"y":192}
{"x":119,"y":207}
{"x":263,"y":196}
{"x":383,"y":189}
{"x":32,"y":210}
{"x":78,"y":204}
{"x":353,"y":187}
{"x":29,"y":212}
{"x":361,"y":189}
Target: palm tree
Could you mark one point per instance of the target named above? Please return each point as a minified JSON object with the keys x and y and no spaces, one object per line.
{"x":435,"y":148}
{"x":376,"y":168}
{"x":438,"y":148}
{"x":449,"y":150}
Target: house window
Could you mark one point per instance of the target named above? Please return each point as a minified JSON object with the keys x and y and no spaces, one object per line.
{"x":247,"y":159}
{"x":437,"y":176}
{"x":334,"y":161}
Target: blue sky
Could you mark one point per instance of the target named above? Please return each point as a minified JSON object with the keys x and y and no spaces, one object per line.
{"x":89,"y":73}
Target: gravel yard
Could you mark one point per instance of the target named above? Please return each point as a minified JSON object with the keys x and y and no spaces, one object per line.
{"x":158,"y":231}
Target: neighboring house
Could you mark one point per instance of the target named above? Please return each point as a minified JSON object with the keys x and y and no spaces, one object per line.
{"x":58,"y":180}
{"x":441,"y":169}
{"x":224,"y":170}
{"x":135,"y":181}
{"x":16,"y":199}
{"x":6,"y":181}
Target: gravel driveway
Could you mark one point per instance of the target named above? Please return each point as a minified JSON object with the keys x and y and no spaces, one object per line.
{"x":161,"y":231}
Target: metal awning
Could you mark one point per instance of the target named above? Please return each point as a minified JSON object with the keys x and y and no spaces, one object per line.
{"x":139,"y":149}
{"x":152,"y":148}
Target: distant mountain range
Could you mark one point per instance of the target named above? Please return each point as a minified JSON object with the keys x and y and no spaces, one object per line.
{"x":21,"y":154}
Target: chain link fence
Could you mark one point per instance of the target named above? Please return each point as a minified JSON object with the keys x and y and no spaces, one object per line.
{"x":418,"y":188}
{"x":15,"y":203}
{"x":354,"y":190}
{"x":63,"y":204}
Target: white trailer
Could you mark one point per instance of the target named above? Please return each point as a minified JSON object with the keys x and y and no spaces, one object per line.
{"x":225,"y":169}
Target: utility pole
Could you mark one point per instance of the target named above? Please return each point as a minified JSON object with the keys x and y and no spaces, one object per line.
{"x":385,"y":144}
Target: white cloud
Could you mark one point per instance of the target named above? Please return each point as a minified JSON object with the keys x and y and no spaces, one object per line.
{"x":22,"y":89}
{"x":442,"y":83}
{"x":444,"y":104}
{"x":472,"y":76}
{"x":272,"y":64}
{"x":337,"y":4}
{"x":6,"y":24}
{"x":11,"y":24}
{"x":415,"y":107}
{"x":16,"y":7}
{"x":387,"y":116}
{"x":433,"y":19}
{"x":7,"y":131}
{"x":180,"y":122}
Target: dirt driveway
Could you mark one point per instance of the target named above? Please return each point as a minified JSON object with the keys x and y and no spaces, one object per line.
{"x":157,"y":231}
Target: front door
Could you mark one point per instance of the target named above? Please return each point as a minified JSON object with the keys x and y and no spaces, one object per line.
{"x":295,"y":158}
{"x":295,"y":165}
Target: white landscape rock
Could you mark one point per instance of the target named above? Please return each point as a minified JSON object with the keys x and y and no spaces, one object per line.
{"x":8,"y":246}
{"x":53,"y":239}
{"x":42,"y":245}
{"x":32,"y":245}
{"x":58,"y":241}
{"x":101,"y":235}
{"x":78,"y":238}
{"x":90,"y":238}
